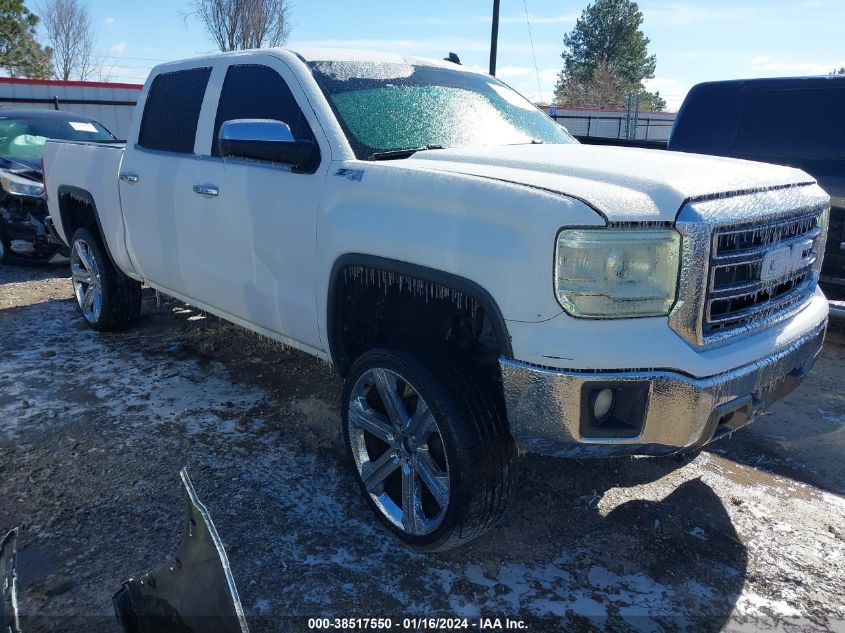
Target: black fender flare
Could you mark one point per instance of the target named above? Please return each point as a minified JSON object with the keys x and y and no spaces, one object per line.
{"x":83,"y":196}
{"x":399,"y":267}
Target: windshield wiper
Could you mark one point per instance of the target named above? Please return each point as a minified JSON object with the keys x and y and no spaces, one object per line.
{"x":401,"y":153}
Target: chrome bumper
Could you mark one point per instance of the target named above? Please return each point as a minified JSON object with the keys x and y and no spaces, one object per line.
{"x":545,"y":406}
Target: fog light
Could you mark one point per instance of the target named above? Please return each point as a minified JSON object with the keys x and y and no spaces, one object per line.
{"x":603,"y":403}
{"x":613,"y":408}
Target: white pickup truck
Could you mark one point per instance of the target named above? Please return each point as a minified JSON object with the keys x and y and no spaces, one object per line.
{"x":484,"y":283}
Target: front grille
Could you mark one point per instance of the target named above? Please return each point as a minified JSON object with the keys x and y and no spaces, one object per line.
{"x":757,"y":271}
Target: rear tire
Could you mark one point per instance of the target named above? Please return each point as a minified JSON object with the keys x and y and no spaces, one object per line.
{"x":108,"y":299}
{"x":438,"y":465}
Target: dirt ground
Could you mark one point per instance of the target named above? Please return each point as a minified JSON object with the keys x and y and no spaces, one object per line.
{"x":94,"y":429}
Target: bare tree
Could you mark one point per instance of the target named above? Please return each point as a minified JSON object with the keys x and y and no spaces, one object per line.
{"x":71,"y":33}
{"x":241,"y":24}
{"x":606,"y":89}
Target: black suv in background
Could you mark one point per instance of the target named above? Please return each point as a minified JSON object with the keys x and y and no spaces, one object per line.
{"x":798,"y":122}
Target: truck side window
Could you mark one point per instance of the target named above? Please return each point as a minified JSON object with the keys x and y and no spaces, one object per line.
{"x":252,"y":91}
{"x":800,"y":123}
{"x":172,"y":111}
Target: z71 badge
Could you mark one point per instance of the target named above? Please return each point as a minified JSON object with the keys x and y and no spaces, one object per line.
{"x":354,"y":175}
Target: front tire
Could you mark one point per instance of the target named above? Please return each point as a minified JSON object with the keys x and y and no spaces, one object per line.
{"x":108,"y":299}
{"x":430,"y":446}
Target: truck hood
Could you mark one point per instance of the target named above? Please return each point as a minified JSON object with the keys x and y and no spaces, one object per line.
{"x":623,"y":184}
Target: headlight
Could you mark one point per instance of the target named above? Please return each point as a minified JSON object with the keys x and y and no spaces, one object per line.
{"x":17,"y":186}
{"x":617,"y":273}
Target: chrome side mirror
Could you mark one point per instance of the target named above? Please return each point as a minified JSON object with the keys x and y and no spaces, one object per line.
{"x":267,"y":140}
{"x":256,"y":130}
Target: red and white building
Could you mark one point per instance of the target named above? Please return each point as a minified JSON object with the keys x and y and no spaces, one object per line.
{"x":111,"y":104}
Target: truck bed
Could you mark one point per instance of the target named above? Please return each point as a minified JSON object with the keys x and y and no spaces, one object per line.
{"x":92,"y":168}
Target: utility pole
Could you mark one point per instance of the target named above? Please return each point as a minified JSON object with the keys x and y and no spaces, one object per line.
{"x":494,"y":38}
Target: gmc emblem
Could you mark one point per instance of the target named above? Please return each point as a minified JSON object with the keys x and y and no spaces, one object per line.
{"x":781,"y":262}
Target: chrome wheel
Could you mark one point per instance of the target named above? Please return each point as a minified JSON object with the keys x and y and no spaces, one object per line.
{"x":87,"y":284}
{"x":399,"y":451}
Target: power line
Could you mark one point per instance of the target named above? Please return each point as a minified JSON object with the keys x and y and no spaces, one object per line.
{"x":533,"y":53}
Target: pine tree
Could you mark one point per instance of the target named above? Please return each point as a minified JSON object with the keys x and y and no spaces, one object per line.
{"x":608,"y":36}
{"x":20,"y":54}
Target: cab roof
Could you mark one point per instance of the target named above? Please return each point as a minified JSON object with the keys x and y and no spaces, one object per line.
{"x":307,"y":55}
{"x":354,"y":55}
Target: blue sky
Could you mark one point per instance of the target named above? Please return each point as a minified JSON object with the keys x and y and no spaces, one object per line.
{"x":694,"y":40}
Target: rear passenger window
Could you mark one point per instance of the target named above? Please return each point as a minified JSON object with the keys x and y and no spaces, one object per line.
{"x":172,"y":111}
{"x":800,"y":123}
{"x":258,"y":92}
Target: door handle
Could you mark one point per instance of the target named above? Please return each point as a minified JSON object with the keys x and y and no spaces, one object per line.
{"x":206,"y":190}
{"x":129,"y":177}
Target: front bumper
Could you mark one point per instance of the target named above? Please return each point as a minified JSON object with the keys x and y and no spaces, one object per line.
{"x":546,"y":407}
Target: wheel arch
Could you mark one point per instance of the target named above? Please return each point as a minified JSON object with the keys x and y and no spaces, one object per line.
{"x":408,"y":270}
{"x":77,"y":209}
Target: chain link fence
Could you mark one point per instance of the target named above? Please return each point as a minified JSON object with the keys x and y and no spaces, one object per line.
{"x":615,"y":124}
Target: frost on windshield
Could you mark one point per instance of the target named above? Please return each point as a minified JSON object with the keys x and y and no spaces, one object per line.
{"x":384,"y":106}
{"x":430,"y":115}
{"x":512,"y":97}
{"x":347,"y":71}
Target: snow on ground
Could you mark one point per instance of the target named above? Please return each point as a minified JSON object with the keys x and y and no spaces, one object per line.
{"x":94,"y":428}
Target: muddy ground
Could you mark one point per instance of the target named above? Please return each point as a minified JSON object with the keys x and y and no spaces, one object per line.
{"x":94,"y":429}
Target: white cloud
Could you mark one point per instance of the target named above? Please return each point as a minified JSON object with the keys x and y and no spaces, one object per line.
{"x":537,"y":97}
{"x":568,"y":18}
{"x":118,"y":49}
{"x":109,"y":21}
{"x":672,"y":91}
{"x":117,"y":74}
{"x":660,"y":83}
{"x":438,"y":46}
{"x":452,"y":21}
{"x":769,"y":64}
{"x":753,"y":13}
{"x":512,"y":71}
{"x":677,"y":14}
{"x":549,"y":76}
{"x":527,"y":84}
{"x":461,"y":20}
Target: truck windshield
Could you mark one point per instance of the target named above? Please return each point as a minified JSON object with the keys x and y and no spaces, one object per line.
{"x":24,"y":137}
{"x":385,"y":108}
